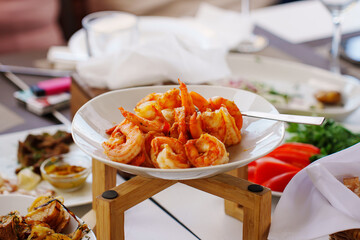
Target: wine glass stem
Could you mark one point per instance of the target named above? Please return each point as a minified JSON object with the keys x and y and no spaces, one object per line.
{"x":335,"y":45}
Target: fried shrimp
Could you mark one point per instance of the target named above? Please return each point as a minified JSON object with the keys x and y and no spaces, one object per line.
{"x":148,"y":98}
{"x":125,"y":142}
{"x":168,"y":153}
{"x":148,"y":138}
{"x":213,"y":123}
{"x":186,"y":100}
{"x":158,"y":123}
{"x":169,"y":115}
{"x":179,"y":128}
{"x":147,"y":110}
{"x":206,"y":151}
{"x":233,"y":134}
{"x":169,"y":99}
{"x":200,"y":102}
{"x":139,"y":159}
{"x":217,"y":102}
{"x":195,"y":125}
{"x":175,"y":129}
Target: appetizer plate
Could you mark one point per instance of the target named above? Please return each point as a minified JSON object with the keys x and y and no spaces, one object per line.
{"x":8,"y":158}
{"x":298,"y":81}
{"x":259,"y":136}
{"x":20,"y":203}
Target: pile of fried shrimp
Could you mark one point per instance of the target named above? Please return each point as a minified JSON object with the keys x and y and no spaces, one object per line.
{"x":175,"y":129}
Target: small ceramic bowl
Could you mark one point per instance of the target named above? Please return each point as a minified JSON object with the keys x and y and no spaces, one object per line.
{"x":66,"y":172}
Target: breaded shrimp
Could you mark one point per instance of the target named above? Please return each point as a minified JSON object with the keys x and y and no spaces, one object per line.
{"x":125,"y":142}
{"x":168,"y":153}
{"x":206,"y":151}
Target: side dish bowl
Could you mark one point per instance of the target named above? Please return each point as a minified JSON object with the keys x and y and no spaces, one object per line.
{"x":66,"y":172}
{"x":259,"y":136}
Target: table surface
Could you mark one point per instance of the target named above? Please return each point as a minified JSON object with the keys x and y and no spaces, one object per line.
{"x":311,"y":53}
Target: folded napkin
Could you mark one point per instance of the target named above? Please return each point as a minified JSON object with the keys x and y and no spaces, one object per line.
{"x":192,"y":49}
{"x":316,"y":203}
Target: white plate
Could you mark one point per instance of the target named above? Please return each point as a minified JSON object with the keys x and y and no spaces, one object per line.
{"x":8,"y":159}
{"x":296,"y":79}
{"x":259,"y":136}
{"x":20,"y":203}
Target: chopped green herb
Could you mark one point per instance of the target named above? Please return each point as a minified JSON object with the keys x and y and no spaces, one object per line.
{"x":330,"y":137}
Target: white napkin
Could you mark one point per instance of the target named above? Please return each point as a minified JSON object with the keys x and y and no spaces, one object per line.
{"x":316,"y":203}
{"x":192,"y":49}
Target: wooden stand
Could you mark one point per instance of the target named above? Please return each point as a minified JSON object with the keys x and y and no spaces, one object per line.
{"x":110,"y":206}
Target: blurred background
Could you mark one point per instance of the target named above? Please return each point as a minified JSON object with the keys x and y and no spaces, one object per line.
{"x":40,"y":24}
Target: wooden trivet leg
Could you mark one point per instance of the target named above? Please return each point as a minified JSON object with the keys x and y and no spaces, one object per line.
{"x":110,"y":221}
{"x":231,"y":208}
{"x":256,"y":205}
{"x":104,"y":178}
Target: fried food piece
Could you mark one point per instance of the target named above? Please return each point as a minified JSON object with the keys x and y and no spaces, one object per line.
{"x":36,"y":148}
{"x":50,"y":211}
{"x":186,"y":100}
{"x":328,"y":97}
{"x":353,"y":184}
{"x":168,"y":153}
{"x":206,"y":151}
{"x":218,"y":102}
{"x":46,"y":218}
{"x":125,"y":142}
{"x":157,"y":123}
{"x":12,"y":226}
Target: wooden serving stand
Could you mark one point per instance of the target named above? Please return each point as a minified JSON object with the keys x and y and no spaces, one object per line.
{"x":110,"y":202}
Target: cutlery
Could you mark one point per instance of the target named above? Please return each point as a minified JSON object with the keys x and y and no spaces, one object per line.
{"x":285,"y":117}
{"x":34,"y":71}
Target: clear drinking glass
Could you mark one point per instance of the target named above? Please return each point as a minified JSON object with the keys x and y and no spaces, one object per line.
{"x":251,"y":42}
{"x":336,"y":9}
{"x":108,"y":32}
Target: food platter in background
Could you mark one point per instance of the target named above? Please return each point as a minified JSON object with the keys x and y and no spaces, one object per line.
{"x":21,"y":203}
{"x":291,"y":86}
{"x":8,"y":158}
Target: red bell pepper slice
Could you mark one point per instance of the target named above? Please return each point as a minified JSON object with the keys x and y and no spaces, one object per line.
{"x":297,"y":154}
{"x":279,"y":182}
{"x":251,"y":172}
{"x":305,"y":147}
{"x":268,"y":167}
{"x":292,"y":156}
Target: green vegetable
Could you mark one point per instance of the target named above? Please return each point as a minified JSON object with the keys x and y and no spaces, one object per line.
{"x":330,"y":137}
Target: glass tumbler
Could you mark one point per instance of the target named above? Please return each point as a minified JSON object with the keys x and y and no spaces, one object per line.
{"x":108,"y":32}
